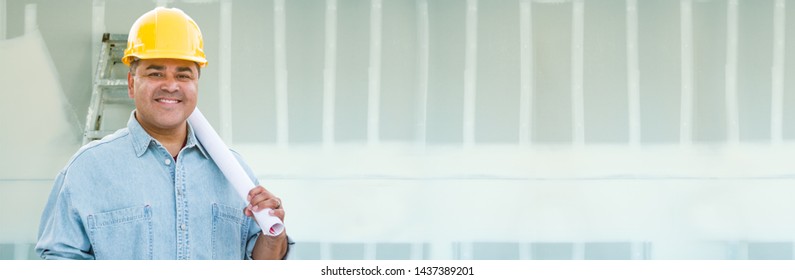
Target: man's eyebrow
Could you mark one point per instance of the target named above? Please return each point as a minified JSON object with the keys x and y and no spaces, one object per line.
{"x":184,"y":69}
{"x":156,"y":67}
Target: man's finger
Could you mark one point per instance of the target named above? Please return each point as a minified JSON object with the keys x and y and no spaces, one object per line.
{"x":259,"y":198}
{"x":279,"y":213}
{"x":254,"y":192}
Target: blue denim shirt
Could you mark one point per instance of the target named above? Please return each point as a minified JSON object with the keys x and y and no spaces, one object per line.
{"x":124,"y":197}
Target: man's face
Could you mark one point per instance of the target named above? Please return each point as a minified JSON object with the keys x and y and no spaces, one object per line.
{"x":165,"y":92}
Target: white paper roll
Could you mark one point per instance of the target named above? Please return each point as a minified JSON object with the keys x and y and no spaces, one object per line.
{"x":231,"y":168}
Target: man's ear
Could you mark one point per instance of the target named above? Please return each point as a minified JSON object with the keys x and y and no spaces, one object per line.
{"x":130,"y":85}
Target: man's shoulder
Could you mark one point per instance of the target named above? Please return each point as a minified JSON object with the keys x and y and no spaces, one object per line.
{"x":109,"y":146}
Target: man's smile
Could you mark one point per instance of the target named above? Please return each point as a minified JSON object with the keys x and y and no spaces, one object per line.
{"x":166,"y":100}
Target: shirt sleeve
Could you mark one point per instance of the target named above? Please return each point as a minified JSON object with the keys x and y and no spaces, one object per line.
{"x":61,"y":231}
{"x":252,"y":240}
{"x":254,"y":229}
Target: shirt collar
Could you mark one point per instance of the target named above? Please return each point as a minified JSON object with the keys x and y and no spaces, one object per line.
{"x":141,"y":139}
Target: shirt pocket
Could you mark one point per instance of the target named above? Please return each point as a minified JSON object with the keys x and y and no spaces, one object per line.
{"x":123,"y":234}
{"x":230,"y":228}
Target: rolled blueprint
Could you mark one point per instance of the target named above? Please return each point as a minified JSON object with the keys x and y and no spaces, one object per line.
{"x":232,"y":169}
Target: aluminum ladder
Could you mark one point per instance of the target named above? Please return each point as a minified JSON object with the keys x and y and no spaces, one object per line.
{"x":109,"y":88}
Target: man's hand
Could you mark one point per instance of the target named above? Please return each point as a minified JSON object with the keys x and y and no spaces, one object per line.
{"x":259,"y":198}
{"x":267,"y":247}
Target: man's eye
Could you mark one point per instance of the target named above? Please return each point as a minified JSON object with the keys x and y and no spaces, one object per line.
{"x":183,"y":77}
{"x":155,"y":74}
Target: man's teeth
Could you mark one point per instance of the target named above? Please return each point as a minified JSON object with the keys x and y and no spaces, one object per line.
{"x":170,"y":101}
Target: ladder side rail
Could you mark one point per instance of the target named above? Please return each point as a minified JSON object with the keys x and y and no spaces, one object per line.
{"x":95,"y":107}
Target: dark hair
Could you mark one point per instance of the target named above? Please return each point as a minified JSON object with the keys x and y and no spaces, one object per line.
{"x":134,"y":64}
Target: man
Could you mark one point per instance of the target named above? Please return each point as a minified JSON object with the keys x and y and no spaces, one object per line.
{"x":151,"y":191}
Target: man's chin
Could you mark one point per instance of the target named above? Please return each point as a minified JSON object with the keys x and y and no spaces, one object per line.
{"x":169,"y":123}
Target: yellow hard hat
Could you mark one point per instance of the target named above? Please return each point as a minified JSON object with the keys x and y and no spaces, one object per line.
{"x":165,"y":33}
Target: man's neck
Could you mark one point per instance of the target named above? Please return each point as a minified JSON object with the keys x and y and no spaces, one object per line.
{"x":172,"y":139}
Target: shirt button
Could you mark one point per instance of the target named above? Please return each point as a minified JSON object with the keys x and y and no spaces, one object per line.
{"x":168,"y":162}
{"x":182,"y":227}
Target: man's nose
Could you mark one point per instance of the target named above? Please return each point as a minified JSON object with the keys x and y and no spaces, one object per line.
{"x":170,"y":85}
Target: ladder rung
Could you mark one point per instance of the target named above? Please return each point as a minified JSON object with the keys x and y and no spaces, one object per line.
{"x":113,"y":86}
{"x":112,"y":82}
{"x":114,"y":37}
{"x":119,"y":100}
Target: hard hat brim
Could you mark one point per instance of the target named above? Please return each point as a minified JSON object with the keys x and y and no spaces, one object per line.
{"x":199,"y":60}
